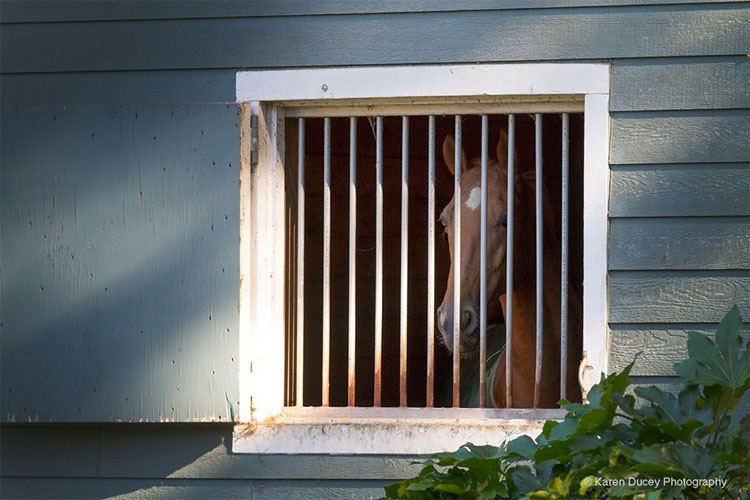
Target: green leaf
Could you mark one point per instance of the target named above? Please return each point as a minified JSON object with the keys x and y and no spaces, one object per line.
{"x":717,"y":363}
{"x":523,"y":446}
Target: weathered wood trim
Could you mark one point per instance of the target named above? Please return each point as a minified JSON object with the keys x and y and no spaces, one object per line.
{"x":328,"y":85}
{"x":263,"y":339}
{"x":670,"y":190}
{"x":595,"y":236}
{"x":289,"y":435}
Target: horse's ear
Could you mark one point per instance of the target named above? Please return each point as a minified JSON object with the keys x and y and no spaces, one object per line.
{"x":449,"y":152}
{"x":502,"y":148}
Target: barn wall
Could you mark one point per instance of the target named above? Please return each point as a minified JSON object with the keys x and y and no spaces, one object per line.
{"x":119,"y":202}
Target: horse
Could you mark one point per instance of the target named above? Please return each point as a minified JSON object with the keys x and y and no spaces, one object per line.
{"x":524,"y":283}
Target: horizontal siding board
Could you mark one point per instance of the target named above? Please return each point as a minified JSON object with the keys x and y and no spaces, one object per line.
{"x":152,"y":451}
{"x":660,"y":347}
{"x":682,"y":83}
{"x":177,"y":451}
{"x":520,"y":35}
{"x":693,"y":84}
{"x":14,"y":11}
{"x":677,"y":297}
{"x":53,"y":451}
{"x":680,"y":190}
{"x":680,"y":137}
{"x":675,"y":244}
{"x":122,"y":87}
{"x":143,"y":489}
{"x":119,"y":258}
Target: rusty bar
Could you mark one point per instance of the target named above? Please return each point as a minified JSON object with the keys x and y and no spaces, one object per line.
{"x":564,"y":257}
{"x":483,"y":273}
{"x":404,"y":257}
{"x":378,"y":258}
{"x":509,"y":264}
{"x":457,"y":268}
{"x":431,"y":263}
{"x":299,"y":369}
{"x":326,"y":260}
{"x":539,"y":260}
{"x":351,"y":386}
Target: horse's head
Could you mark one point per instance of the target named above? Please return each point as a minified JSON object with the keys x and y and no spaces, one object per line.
{"x":497,"y":175}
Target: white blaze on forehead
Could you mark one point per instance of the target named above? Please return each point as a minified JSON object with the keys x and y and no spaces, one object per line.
{"x":474,"y":198}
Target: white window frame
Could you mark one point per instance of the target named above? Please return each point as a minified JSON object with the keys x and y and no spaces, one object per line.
{"x":266,"y":426}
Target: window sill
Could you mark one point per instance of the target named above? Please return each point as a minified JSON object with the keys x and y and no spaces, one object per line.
{"x":392,"y":431}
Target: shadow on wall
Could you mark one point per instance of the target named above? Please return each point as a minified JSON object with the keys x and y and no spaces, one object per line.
{"x":119,"y":258}
{"x":175,"y":461}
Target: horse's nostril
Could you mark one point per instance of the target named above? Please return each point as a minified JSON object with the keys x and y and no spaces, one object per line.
{"x":465,"y":319}
{"x":468,"y":319}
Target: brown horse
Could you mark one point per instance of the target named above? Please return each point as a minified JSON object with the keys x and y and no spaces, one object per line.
{"x":524,"y":282}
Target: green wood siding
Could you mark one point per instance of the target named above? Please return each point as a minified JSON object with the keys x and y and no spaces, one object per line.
{"x":120,"y":268}
{"x":149,"y":206}
{"x":176,"y":461}
{"x":439,"y":37}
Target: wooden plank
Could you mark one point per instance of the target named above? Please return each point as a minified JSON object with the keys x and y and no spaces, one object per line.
{"x":680,"y":190}
{"x":19,"y":11}
{"x":680,"y":137}
{"x":195,"y":451}
{"x":687,"y":297}
{"x":119,"y":256}
{"x":661,"y":346}
{"x":205,"y":452}
{"x":675,"y":243}
{"x":49,"y":450}
{"x":684,"y":83}
{"x":515,"y":35}
{"x":142,"y":489}
{"x":120,"y":87}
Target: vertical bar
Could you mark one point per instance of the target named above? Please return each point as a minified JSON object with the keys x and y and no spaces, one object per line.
{"x":378,"y":257}
{"x":404,"y":256}
{"x":352,"y":258}
{"x":509,"y":264}
{"x":457,"y":269}
{"x":539,"y":260}
{"x":326,"y":259}
{"x":431,"y":263}
{"x":299,"y":370}
{"x":564,"y":258}
{"x":483,"y":273}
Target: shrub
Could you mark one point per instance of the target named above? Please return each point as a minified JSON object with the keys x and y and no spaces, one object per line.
{"x":685,"y":445}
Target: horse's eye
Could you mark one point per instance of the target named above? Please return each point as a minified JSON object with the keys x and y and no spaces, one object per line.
{"x":503,"y":220}
{"x":443,"y":221}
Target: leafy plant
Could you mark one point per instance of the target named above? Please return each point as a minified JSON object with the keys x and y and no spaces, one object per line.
{"x":665,"y":446}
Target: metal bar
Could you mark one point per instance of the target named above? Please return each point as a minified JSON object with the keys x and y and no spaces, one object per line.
{"x":352,"y":259}
{"x":404,"y":256}
{"x":509,"y":263}
{"x":483,"y":273}
{"x":299,"y":370}
{"x":564,"y":258}
{"x":326,"y":259}
{"x":457,"y":268}
{"x":431,"y":263}
{"x":539,"y":260}
{"x":378,"y":258}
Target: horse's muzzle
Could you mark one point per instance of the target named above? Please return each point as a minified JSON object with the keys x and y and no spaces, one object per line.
{"x":469,"y":322}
